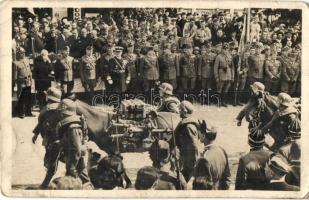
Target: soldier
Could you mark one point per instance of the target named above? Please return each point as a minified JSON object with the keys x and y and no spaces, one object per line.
{"x":214,"y":163}
{"x":131,"y":57}
{"x":149,"y":70}
{"x":290,"y":73}
{"x":169,"y":102}
{"x":188,"y":69}
{"x":23,"y":80}
{"x":273,"y":74}
{"x":250,"y":173}
{"x":256,"y":66}
{"x":88,"y":71}
{"x":224,"y":73}
{"x":64,"y":72}
{"x":118,"y":74}
{"x":169,"y":66}
{"x":186,"y":139}
{"x":276,"y":170}
{"x":47,"y":122}
{"x":73,"y":132}
{"x":207,"y":67}
{"x":169,"y":178}
{"x":283,"y":119}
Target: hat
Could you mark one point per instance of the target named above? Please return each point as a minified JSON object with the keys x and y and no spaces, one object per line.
{"x":44,"y":20}
{"x":118,"y":48}
{"x":225,"y":45}
{"x":66,"y":48}
{"x":257,"y":86}
{"x":166,"y":88}
{"x":68,"y":107}
{"x":256,"y":138}
{"x":54,"y":94}
{"x":278,"y":165}
{"x":146,"y":177}
{"x":259,"y":45}
{"x":196,"y":48}
{"x":186,"y":105}
{"x":89,"y":47}
{"x":285,"y":99}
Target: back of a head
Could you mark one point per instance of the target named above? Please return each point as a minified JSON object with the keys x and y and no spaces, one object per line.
{"x":66,"y":183}
{"x":202,"y":183}
{"x":146,"y":177}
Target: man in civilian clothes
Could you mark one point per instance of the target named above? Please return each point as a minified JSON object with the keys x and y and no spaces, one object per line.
{"x":213,"y":164}
{"x":64,"y":72}
{"x":23,"y":79}
{"x":250,"y":173}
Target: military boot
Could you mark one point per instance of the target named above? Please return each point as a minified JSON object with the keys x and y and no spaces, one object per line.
{"x":223,"y":103}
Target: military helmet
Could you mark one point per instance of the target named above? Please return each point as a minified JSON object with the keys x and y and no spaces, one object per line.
{"x":256,"y":138}
{"x":187,"y":106}
{"x":68,"y":107}
{"x":257,"y":86}
{"x":166,"y":88}
{"x":285,"y":99}
{"x":278,"y":165}
{"x":54,"y":94}
{"x":160,"y":152}
{"x":146,"y":177}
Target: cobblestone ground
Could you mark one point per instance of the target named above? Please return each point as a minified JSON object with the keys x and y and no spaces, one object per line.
{"x":28,"y":167}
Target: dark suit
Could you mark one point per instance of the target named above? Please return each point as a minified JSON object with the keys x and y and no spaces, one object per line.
{"x":250,"y":173}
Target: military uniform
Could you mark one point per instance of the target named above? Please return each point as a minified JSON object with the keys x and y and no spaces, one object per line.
{"x":207,"y":70}
{"x":188,"y":65}
{"x":132,"y":66}
{"x":88,"y":72}
{"x":242,"y":74}
{"x":256,"y":68}
{"x":169,"y":104}
{"x":23,"y":79}
{"x":149,"y":70}
{"x":273,"y":74}
{"x":64,"y":73}
{"x":290,"y":73}
{"x":102,"y":67}
{"x":118,"y":72}
{"x":169,"y":68}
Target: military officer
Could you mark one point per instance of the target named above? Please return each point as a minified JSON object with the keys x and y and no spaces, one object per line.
{"x":283,"y":119}
{"x":242,"y":73}
{"x":118,"y":74}
{"x":207,"y":67}
{"x":88,"y":71}
{"x":131,"y":57}
{"x":169,"y":102}
{"x":23,"y":80}
{"x":73,"y":132}
{"x":256,"y":65}
{"x":250,"y":173}
{"x":169,"y":66}
{"x":290,"y":73}
{"x":223,"y":73}
{"x":47,"y":122}
{"x":186,"y":139}
{"x":272,"y":74}
{"x":188,"y":66}
{"x":64,"y":72}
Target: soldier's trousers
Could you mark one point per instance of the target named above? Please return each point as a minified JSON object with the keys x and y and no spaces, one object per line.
{"x":149,"y":84}
{"x":272,"y":86}
{"x":24,"y":101}
{"x":288,"y":87}
{"x":206,"y":83}
{"x":188,"y":83}
{"x":223,"y":86}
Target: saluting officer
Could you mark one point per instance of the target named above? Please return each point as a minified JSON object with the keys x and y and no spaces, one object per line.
{"x":169,"y":102}
{"x":256,"y":65}
{"x":169,"y":65}
{"x":88,"y":71}
{"x":47,"y":121}
{"x":23,"y":79}
{"x":224,"y":73}
{"x":290,"y":73}
{"x":118,"y":74}
{"x":273,"y":73}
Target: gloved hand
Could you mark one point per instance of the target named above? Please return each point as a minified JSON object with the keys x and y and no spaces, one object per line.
{"x":110,"y":81}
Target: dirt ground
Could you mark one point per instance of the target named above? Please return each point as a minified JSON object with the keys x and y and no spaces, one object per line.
{"x":28,"y":167}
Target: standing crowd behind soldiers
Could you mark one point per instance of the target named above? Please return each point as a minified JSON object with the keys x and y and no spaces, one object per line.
{"x":132,"y":53}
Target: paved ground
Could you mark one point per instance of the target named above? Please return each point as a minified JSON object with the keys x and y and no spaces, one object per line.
{"x":28,"y":167}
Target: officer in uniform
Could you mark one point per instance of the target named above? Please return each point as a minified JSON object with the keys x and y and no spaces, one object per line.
{"x":64,"y":72}
{"x":131,"y":58}
{"x":47,"y":122}
{"x":88,"y":71}
{"x":224,"y":73}
{"x":118,"y":74}
{"x":23,"y":80}
{"x":256,"y":66}
{"x":73,"y":132}
{"x":283,"y":119}
{"x":186,"y":139}
{"x":242,"y":73}
{"x":169,"y":102}
{"x":169,"y":65}
{"x":169,"y":178}
{"x":250,"y":173}
{"x":273,"y":74}
{"x":188,"y":69}
{"x":213,"y":164}
{"x":290,"y":73}
{"x":207,"y":67}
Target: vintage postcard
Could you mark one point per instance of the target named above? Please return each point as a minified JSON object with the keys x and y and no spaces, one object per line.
{"x":154,"y":99}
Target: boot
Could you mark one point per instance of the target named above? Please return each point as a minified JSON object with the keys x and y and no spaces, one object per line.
{"x":223,"y":100}
{"x":238,"y":100}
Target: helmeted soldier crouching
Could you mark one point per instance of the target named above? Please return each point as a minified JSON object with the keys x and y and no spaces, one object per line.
{"x":73,"y":132}
{"x":169,"y":102}
{"x":47,"y":121}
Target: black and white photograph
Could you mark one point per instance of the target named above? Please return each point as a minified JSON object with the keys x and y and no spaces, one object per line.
{"x":156,"y":98}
